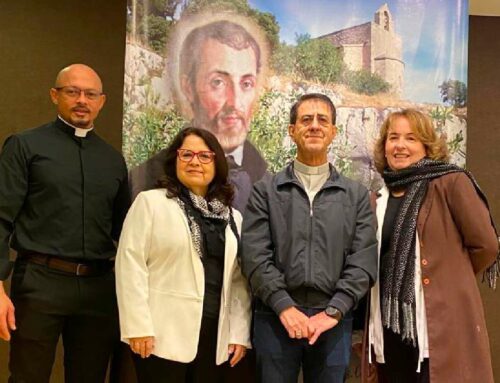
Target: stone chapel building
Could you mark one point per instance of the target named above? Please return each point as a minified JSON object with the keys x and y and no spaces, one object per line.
{"x":373,"y":46}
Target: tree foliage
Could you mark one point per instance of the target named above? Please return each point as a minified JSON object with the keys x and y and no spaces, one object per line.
{"x":318,"y":60}
{"x":365,"y":82}
{"x":454,"y":93}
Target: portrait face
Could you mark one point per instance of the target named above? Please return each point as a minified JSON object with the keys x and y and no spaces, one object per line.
{"x":402,"y":146}
{"x":194,"y":174}
{"x":78,"y":96}
{"x":223,"y":91}
{"x":313,"y":131}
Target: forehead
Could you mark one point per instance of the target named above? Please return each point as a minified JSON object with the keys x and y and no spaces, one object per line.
{"x":80,"y":77}
{"x":218,"y":57}
{"x":312,"y":107}
{"x":400,"y":125}
{"x":194,"y":142}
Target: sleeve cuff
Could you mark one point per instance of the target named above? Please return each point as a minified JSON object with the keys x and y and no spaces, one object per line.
{"x":279,"y":301}
{"x":342,"y":302}
{"x":5,"y":269}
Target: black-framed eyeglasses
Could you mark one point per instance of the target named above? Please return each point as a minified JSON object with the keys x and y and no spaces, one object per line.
{"x":75,"y":92}
{"x":204,"y":156}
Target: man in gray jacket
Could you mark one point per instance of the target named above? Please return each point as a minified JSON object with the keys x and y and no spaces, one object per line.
{"x":309,"y":252}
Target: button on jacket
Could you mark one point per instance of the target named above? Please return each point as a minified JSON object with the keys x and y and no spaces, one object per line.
{"x":289,"y":243}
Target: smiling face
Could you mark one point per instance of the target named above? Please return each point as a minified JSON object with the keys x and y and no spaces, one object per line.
{"x":223,"y":92}
{"x":402,"y":146}
{"x":79,"y":111}
{"x":313,"y":132}
{"x":193,"y":174}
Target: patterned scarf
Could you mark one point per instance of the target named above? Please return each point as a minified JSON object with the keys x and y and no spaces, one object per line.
{"x":399,"y":264}
{"x":212,"y":209}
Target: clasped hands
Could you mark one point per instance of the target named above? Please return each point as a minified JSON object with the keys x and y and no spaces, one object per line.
{"x":298,"y":325}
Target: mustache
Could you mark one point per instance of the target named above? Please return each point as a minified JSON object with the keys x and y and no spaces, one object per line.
{"x":230,"y":112}
{"x":80,"y":109}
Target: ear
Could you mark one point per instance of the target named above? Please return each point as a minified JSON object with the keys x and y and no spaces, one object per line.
{"x":53,"y":95}
{"x":334,"y":131}
{"x":103,"y":101}
{"x":187,"y":88}
{"x":291,"y":131}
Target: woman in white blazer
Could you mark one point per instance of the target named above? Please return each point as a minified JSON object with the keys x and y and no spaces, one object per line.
{"x":184,"y":304}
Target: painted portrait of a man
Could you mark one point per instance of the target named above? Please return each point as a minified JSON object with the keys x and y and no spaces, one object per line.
{"x":216,"y":68}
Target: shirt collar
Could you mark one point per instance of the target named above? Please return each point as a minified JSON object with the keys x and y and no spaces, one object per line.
{"x":311,"y":170}
{"x":79,"y":132}
{"x":237,"y":155}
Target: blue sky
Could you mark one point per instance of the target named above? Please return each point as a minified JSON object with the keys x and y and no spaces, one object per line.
{"x":433,"y":33}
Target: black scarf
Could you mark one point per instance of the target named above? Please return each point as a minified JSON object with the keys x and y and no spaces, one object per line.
{"x":399,"y":285}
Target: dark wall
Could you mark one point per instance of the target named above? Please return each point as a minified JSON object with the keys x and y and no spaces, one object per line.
{"x":40,"y":37}
{"x":483,"y":141}
{"x":37,"y":39}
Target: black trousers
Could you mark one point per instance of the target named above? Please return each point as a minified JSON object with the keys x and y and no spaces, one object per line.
{"x":401,"y":361}
{"x":201,"y":370}
{"x":50,"y":303}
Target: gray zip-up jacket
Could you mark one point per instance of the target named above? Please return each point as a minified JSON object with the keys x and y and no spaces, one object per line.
{"x":328,"y":246}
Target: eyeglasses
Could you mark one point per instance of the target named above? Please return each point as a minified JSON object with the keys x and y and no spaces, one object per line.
{"x":74,"y":92}
{"x":204,"y":156}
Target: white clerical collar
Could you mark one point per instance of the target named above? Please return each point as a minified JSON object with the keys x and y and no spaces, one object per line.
{"x":237,"y":155}
{"x":79,"y":132}
{"x":310,"y":170}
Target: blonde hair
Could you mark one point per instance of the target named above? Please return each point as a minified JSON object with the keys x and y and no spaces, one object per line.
{"x":421,"y":125}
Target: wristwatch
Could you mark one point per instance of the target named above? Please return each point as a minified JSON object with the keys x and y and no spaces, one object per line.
{"x":333,"y":312}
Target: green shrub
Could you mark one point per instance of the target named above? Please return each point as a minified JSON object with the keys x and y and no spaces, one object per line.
{"x":365,"y":82}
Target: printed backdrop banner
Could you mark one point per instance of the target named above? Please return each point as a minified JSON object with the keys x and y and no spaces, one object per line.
{"x":235,"y":67}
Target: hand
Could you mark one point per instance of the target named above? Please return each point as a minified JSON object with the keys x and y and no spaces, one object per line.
{"x":7,"y":317}
{"x":143,"y":346}
{"x":318,"y":324}
{"x":295,"y":322}
{"x":238,"y":351}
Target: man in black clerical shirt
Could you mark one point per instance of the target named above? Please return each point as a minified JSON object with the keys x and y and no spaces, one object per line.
{"x":63,"y":197}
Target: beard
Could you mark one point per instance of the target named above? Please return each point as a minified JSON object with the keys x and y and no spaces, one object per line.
{"x":229,"y":125}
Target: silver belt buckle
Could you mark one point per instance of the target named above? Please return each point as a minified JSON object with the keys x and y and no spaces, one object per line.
{"x":78,"y":269}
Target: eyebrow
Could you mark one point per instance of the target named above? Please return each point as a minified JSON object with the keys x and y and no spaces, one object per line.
{"x":317,"y":114}
{"x":224,"y":73}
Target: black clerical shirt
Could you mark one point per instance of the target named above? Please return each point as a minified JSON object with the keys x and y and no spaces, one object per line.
{"x":60,"y":194}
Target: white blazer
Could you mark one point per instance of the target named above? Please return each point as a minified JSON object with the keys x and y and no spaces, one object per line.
{"x":160,"y":282}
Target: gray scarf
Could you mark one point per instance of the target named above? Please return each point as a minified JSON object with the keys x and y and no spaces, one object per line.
{"x":210,"y":209}
{"x":399,"y":264}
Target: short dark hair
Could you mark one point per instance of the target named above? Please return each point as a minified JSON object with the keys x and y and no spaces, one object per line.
{"x":312,"y":96}
{"x":225,"y":32}
{"x":219,"y":188}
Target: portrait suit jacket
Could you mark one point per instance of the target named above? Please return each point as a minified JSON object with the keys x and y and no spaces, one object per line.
{"x":160,"y":282}
{"x":144,"y":176}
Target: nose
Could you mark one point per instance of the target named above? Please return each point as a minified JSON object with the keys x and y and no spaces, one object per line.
{"x":81,"y":97}
{"x":195,"y":161}
{"x":399,"y":144}
{"x":315,"y":122}
{"x":234,"y":97}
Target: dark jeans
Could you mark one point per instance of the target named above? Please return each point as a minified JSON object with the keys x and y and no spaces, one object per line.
{"x":51,"y":303}
{"x":279,"y":358}
{"x":201,"y":370}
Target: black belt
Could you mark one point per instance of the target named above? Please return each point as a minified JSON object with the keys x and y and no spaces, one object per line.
{"x":85,"y":269}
